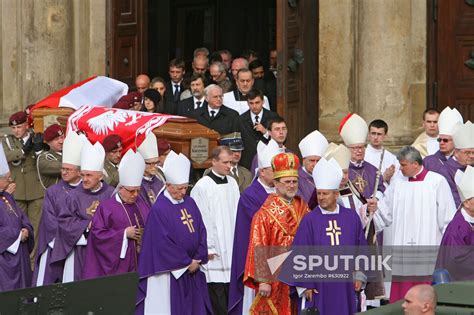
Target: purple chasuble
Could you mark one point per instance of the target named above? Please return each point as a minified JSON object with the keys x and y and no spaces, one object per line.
{"x":306,"y":188}
{"x":363,"y":178}
{"x":254,"y":165}
{"x":174,"y":235}
{"x":435,"y":162}
{"x":333,"y":297}
{"x":456,"y":252}
{"x":54,"y":199}
{"x":150,"y":190}
{"x":249,"y":203}
{"x":73,"y":220}
{"x":104,"y":243}
{"x":15,"y":269}
{"x":452,"y":166}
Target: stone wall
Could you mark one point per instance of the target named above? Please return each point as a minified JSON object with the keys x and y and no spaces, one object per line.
{"x":372,"y":61}
{"x":46,"y":45}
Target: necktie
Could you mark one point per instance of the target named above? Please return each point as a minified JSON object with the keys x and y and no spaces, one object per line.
{"x":256,"y":119}
{"x":234,"y":172}
{"x":213,"y":113}
{"x":176,"y":92}
{"x":198,"y":104}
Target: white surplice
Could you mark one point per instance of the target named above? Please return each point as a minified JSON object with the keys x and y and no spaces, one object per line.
{"x":218,"y":206}
{"x":418,"y":212}
{"x":373,"y":156}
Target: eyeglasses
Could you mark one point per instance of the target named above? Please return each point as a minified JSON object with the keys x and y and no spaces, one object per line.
{"x":445,"y":140}
{"x":132,"y":191}
{"x":152,"y":163}
{"x":471,"y":153}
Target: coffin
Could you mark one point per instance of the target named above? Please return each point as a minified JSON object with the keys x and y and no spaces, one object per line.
{"x":184,"y":134}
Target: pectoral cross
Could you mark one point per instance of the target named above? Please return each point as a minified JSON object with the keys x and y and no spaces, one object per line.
{"x":187,"y":220}
{"x":151,"y":197}
{"x":360,"y":183}
{"x":333,"y":231}
{"x":92,"y":208}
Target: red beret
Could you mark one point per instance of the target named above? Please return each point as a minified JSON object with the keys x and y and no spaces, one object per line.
{"x":17,"y":118}
{"x":126,"y":101}
{"x":53,"y":132}
{"x":163,"y":146}
{"x":28,"y":109}
{"x":112,"y":142}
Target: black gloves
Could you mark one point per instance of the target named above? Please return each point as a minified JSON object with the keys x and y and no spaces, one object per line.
{"x":28,"y":146}
{"x":38,"y":144}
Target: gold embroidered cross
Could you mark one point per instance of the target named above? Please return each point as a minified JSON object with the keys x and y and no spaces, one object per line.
{"x":360,"y":183}
{"x":187,"y":219}
{"x":333,"y":231}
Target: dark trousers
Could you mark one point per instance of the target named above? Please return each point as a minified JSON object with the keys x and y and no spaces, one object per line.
{"x":219,"y":294}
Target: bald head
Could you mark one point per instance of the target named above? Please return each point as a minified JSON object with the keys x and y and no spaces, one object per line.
{"x":142,"y":82}
{"x":420,"y":299}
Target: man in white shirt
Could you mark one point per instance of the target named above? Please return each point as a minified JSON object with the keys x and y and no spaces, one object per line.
{"x":237,"y":99}
{"x":426,"y":143}
{"x":377,"y":155}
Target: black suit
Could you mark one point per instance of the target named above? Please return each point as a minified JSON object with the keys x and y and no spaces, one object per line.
{"x":169,"y":94}
{"x":224,"y":122}
{"x":250,"y":136}
{"x":186,"y":106}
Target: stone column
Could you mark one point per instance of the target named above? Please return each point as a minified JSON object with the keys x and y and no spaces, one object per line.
{"x":384,"y":65}
{"x":336,"y":64}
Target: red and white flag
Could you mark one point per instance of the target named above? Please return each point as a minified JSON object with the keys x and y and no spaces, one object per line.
{"x":99,"y":122}
{"x":94,"y":91}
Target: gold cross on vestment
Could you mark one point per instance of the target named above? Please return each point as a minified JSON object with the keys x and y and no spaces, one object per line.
{"x":360,"y":183}
{"x":187,"y":219}
{"x":333,"y":231}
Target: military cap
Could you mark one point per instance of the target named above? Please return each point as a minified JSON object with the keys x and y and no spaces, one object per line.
{"x":233,"y":141}
{"x":52,"y":132}
{"x":17,"y":118}
{"x":111,"y":143}
{"x":163,"y":146}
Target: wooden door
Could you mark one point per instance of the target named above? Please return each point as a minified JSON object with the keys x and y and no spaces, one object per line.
{"x":127,"y":39}
{"x":297,"y":89}
{"x":451,"y":55}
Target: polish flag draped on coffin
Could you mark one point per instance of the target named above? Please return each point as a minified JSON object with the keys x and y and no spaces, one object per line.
{"x":94,"y":91}
{"x":99,"y":122}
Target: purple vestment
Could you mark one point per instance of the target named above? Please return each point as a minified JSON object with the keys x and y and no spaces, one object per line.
{"x":435,"y":161}
{"x":249,"y":203}
{"x":15,"y":269}
{"x":170,"y":243}
{"x":150,"y":190}
{"x":438,"y":163}
{"x":73,"y":220}
{"x":254,"y":165}
{"x":53,"y":200}
{"x":456,"y":252}
{"x":333,"y":297}
{"x":104,"y":243}
{"x":364,"y":177}
{"x":306,"y":188}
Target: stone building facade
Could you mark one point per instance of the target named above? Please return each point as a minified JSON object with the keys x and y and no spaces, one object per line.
{"x":372,"y":57}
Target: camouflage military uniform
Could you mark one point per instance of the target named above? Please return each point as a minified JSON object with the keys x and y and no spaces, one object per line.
{"x":29,"y":192}
{"x":111,"y":173}
{"x":49,"y":164}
